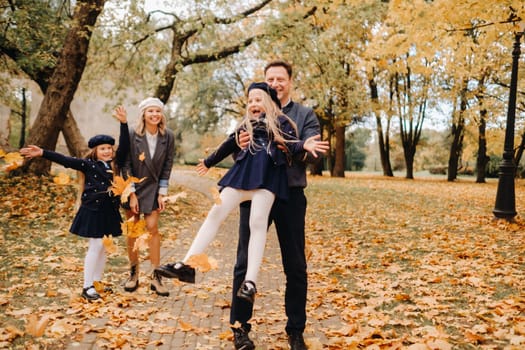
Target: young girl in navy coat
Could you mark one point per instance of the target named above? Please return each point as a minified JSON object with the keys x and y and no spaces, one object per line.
{"x":98,"y":214}
{"x":258,"y":174}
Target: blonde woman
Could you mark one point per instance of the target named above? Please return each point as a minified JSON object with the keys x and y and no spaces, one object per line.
{"x":259,"y":175}
{"x":152,"y":148}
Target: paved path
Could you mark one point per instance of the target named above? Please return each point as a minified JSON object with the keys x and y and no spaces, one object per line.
{"x":203,"y":308}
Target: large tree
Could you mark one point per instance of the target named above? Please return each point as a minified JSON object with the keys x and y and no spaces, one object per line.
{"x":63,"y":82}
{"x":32,"y":36}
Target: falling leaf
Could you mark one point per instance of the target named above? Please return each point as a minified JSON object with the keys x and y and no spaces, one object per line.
{"x":173,"y":198}
{"x":122,"y":188}
{"x":142,"y":242}
{"x":35,"y":326}
{"x":216,"y":195}
{"x":202,"y":262}
{"x":110,"y":247}
{"x":13,"y":157}
{"x":226,"y":335}
{"x":142,"y":157}
{"x":13,"y":161}
{"x":62,"y":179}
{"x":185,"y":327}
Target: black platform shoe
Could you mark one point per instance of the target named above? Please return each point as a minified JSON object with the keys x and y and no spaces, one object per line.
{"x":247,"y":291}
{"x":93,"y":295}
{"x":183,"y":272}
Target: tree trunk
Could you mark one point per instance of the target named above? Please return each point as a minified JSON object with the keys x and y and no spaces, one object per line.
{"x":482,"y":158}
{"x":76,"y":144}
{"x":63,"y":83}
{"x":409,"y":152}
{"x":329,"y":154}
{"x":339,"y":166}
{"x":519,"y":150}
{"x":383,"y":139}
{"x":458,"y":129}
{"x":317,"y":167}
{"x":24,"y":118}
{"x":455,"y":152}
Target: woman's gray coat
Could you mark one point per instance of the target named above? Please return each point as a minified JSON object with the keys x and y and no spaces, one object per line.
{"x":156,"y":171}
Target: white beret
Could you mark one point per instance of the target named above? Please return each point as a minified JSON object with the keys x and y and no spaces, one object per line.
{"x":150,"y":102}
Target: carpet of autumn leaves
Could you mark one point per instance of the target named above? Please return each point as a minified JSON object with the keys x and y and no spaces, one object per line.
{"x":417,"y":264}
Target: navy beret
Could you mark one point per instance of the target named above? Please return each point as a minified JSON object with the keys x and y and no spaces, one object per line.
{"x":268,"y":89}
{"x":100,"y":140}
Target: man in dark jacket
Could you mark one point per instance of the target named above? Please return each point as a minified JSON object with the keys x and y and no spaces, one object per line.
{"x":289,"y":220}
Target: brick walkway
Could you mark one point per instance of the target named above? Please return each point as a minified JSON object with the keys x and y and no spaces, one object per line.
{"x":203,"y":308}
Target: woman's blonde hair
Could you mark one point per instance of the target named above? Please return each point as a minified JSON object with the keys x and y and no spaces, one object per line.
{"x":272,"y":114}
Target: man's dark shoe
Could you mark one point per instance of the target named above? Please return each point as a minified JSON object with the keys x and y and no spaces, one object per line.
{"x":296,"y":341}
{"x":183,"y":272}
{"x":247,"y":291}
{"x":241,"y":340}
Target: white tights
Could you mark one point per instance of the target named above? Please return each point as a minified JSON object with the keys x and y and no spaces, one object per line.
{"x":94,"y":262}
{"x":262,"y":201}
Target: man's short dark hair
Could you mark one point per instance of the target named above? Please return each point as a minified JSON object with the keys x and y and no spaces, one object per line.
{"x":279,"y":63}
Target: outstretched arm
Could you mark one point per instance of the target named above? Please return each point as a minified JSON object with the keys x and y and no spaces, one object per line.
{"x":33,"y":151}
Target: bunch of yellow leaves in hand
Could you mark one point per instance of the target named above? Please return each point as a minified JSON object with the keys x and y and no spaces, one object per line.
{"x":132,"y":228}
{"x":122,"y":188}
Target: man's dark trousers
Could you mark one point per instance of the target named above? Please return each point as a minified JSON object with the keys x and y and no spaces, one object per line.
{"x":289,"y":219}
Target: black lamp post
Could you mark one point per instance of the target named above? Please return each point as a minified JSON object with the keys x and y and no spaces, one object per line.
{"x":505,"y":207}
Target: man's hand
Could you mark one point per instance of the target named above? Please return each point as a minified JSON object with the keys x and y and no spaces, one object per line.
{"x":312,"y":145}
{"x":244,"y":139}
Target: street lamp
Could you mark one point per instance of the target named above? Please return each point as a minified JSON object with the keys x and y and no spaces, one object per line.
{"x":505,"y":207}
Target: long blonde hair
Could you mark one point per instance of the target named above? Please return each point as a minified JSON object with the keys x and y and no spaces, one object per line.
{"x":273,"y":126}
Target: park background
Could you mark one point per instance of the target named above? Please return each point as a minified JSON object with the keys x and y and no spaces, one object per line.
{"x":403,"y":89}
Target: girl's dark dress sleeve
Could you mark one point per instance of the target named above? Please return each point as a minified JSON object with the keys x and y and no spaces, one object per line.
{"x":123,"y":145}
{"x":68,"y":162}
{"x":226,"y":148}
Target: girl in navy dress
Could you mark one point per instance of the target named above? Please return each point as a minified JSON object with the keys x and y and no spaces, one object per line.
{"x":258,"y":174}
{"x":99,"y":213}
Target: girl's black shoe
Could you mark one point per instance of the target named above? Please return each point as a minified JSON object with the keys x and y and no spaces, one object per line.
{"x":247,"y":291}
{"x":90,"y":293}
{"x":183,"y":272}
